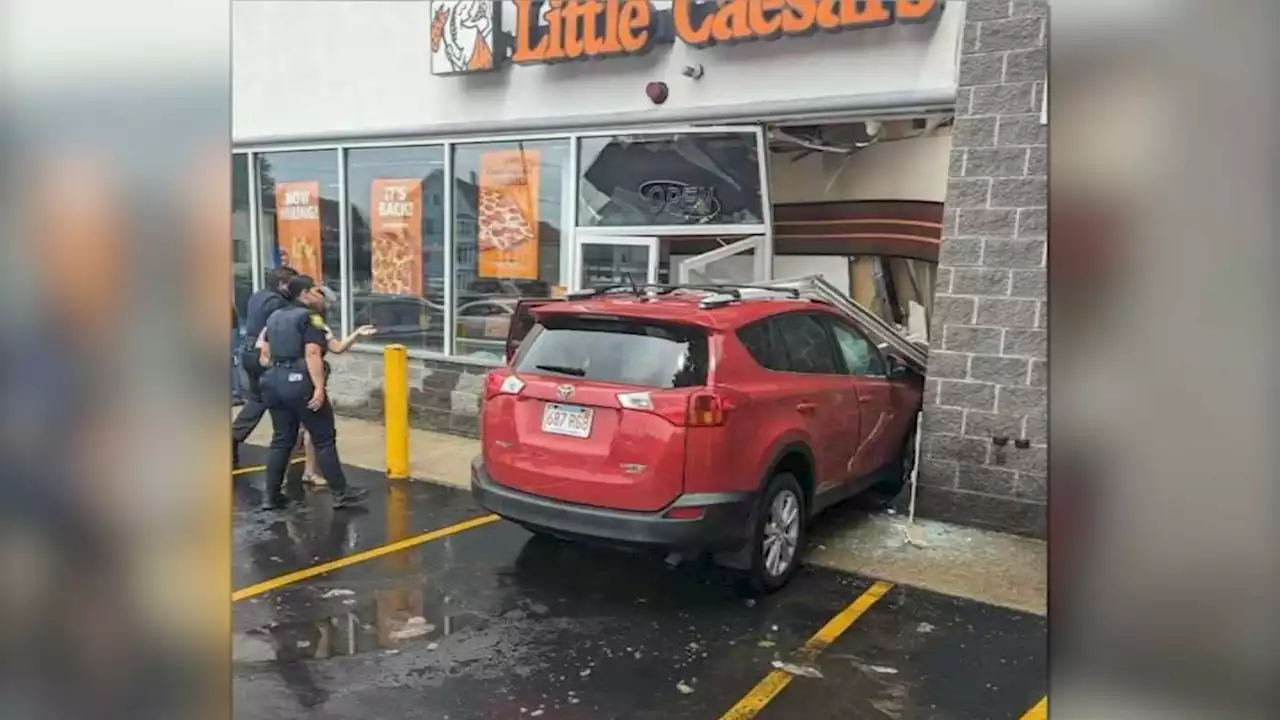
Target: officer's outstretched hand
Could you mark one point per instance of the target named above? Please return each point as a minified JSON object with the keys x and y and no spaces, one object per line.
{"x":317,"y":400}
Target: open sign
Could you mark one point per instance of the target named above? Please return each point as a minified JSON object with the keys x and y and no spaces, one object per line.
{"x":688,"y":202}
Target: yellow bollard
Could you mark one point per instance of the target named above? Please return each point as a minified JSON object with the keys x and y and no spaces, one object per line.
{"x":395,"y":401}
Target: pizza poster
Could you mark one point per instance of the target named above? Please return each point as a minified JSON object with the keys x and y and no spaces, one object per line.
{"x":507,"y":216}
{"x":397,"y":236}
{"x":298,"y":227}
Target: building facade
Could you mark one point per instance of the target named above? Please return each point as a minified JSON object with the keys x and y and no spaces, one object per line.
{"x":434,"y":161}
{"x":988,"y":366}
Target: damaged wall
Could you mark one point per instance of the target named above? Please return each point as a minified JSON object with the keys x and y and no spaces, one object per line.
{"x":988,"y":364}
{"x":910,"y":169}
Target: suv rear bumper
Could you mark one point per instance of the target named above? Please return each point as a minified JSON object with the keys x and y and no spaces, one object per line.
{"x":724,"y":525}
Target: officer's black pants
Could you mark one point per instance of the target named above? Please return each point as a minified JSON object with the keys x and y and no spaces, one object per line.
{"x":287,"y":403}
{"x":254,"y":406}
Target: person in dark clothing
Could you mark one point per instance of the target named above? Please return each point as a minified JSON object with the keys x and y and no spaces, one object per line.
{"x":237,"y":383}
{"x":294,"y":344}
{"x":260,"y":307}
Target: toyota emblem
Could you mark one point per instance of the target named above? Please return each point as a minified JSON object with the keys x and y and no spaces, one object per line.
{"x":564,"y":391}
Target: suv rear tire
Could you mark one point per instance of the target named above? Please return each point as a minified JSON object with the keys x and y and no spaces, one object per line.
{"x":778,"y":534}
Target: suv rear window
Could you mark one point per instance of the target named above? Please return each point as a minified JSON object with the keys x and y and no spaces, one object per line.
{"x":624,"y":351}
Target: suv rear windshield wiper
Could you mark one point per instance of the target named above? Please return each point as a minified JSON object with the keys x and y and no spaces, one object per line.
{"x":563,"y":370}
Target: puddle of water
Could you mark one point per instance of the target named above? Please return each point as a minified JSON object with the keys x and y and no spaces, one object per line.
{"x":388,"y":622}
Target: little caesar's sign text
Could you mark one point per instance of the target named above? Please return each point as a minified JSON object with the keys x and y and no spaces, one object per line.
{"x":549,"y":31}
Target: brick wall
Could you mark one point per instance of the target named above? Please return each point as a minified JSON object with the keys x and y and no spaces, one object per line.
{"x":443,"y":396}
{"x":988,"y":363}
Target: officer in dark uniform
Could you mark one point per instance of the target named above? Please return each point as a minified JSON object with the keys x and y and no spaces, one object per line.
{"x":293,"y":388}
{"x":260,"y":306}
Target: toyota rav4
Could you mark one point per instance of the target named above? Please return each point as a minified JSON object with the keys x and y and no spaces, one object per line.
{"x":692,"y":420}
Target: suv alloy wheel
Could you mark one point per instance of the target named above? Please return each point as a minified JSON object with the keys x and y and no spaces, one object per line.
{"x":779,"y":534}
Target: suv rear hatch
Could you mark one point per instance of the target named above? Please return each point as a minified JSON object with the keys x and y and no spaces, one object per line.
{"x":592,"y":410}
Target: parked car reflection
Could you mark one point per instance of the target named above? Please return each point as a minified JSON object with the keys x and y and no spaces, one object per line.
{"x":480,"y":322}
{"x":411,"y":321}
{"x":482,"y":326}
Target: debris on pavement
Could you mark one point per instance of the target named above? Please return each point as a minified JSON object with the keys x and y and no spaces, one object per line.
{"x":766,"y":643}
{"x":416,"y":626}
{"x":882,"y":669}
{"x":750,"y":602}
{"x":924,"y":627}
{"x":338,"y":592}
{"x":684,"y":688}
{"x":798,"y":670}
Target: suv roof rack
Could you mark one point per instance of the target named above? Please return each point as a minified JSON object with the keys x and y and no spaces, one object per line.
{"x":726,"y":294}
{"x":719,"y":294}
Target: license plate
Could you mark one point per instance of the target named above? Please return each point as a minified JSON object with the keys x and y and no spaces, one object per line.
{"x":568,"y":420}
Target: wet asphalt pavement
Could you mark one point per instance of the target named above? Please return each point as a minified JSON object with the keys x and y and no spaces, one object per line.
{"x":493,"y":623}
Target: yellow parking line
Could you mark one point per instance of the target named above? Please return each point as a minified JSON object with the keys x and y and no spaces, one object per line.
{"x":1040,"y":711}
{"x":775,"y":682}
{"x":260,"y":468}
{"x":293,"y":577}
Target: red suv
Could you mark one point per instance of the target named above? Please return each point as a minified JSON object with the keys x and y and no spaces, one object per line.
{"x":693,"y":420}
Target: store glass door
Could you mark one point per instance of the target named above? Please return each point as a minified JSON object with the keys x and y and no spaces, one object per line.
{"x":615,"y":260}
{"x":744,"y":262}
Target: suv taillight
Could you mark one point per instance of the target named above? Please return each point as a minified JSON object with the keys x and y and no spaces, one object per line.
{"x":706,"y":410}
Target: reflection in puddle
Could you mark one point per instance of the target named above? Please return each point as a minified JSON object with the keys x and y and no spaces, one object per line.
{"x":391,"y":620}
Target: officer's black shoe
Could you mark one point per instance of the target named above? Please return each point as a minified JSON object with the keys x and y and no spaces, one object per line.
{"x":275,"y":501}
{"x":349,"y":497}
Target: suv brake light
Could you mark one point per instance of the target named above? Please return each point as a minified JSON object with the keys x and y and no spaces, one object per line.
{"x":706,"y":410}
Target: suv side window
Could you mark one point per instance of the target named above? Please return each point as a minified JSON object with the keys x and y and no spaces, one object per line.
{"x":808,"y":345}
{"x":860,"y":356}
{"x":761,"y":340}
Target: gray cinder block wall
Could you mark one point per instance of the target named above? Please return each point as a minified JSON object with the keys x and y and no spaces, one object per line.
{"x":443,"y":396}
{"x":988,"y":360}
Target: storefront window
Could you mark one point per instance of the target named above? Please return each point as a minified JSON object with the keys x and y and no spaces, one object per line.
{"x":299,"y":223}
{"x":682,"y":179}
{"x":507,"y":206}
{"x":241,"y":247}
{"x":396,"y":198}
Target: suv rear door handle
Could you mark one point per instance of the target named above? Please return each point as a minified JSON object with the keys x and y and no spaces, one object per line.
{"x":806,"y":407}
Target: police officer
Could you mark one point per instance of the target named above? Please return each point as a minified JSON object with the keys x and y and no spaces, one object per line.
{"x":260,"y":306}
{"x":293,"y":388}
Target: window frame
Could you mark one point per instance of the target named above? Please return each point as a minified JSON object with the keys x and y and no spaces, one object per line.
{"x":252,"y":151}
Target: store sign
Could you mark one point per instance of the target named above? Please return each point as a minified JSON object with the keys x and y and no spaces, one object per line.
{"x":466,"y":36}
{"x":396,"y":228}
{"x":507,"y":217}
{"x":298,"y":232}
{"x":687,"y":202}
